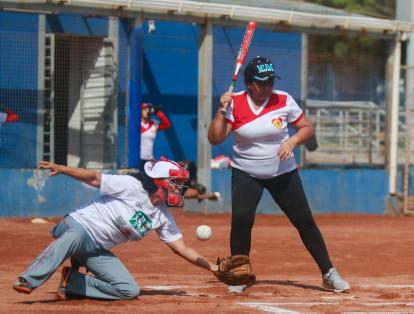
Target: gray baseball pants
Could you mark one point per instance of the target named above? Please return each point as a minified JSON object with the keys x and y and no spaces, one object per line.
{"x":111,"y":280}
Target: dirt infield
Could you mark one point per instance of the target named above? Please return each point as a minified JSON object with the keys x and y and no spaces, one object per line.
{"x":374,"y":253}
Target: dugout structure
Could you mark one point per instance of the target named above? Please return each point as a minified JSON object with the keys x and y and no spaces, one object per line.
{"x":74,"y":89}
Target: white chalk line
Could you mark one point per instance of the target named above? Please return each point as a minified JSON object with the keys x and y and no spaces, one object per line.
{"x":386,"y":286}
{"x":266,"y":307}
{"x":334,"y":303}
{"x":165,"y":288}
{"x":388,"y":303}
{"x":376,"y":312}
{"x":280,"y":307}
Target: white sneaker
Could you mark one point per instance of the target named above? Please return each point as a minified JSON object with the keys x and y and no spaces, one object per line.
{"x":236,"y":289}
{"x":333,"y":281}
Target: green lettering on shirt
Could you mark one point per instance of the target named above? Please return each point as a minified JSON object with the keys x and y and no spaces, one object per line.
{"x":141,"y":223}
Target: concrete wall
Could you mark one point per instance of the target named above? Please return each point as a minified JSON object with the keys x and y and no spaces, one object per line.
{"x":33,"y":193}
{"x":328,"y":191}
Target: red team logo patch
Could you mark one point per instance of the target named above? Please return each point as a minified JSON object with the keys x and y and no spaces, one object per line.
{"x":277,"y":122}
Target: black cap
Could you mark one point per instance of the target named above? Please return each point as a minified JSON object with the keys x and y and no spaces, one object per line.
{"x":260,"y":69}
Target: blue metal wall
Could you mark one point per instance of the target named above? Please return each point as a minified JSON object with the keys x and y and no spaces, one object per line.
{"x":170,"y":76}
{"x":19,"y":75}
{"x":328,"y":191}
{"x":33,"y":193}
{"x":75,"y":24}
{"x":18,"y":88}
{"x":124,"y":31}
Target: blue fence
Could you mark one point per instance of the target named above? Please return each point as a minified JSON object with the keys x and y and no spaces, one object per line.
{"x":33,"y":193}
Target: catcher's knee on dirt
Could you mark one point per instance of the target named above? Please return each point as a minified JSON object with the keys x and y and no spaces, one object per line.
{"x":128,"y":291}
{"x":235,"y":270}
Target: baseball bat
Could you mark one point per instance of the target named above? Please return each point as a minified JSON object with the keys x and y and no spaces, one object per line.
{"x":244,"y":49}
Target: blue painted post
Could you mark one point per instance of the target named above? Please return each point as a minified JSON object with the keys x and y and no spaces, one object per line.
{"x":135,"y":96}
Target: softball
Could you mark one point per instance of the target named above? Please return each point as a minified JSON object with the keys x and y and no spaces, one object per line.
{"x":204,"y":232}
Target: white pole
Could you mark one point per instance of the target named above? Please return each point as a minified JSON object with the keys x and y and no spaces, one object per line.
{"x":394,"y":119}
{"x":205,"y":81}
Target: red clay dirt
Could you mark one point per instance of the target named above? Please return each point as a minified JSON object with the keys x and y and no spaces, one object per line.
{"x":374,"y":253}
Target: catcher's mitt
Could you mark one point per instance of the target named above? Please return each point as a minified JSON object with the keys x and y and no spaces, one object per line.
{"x":235,"y":270}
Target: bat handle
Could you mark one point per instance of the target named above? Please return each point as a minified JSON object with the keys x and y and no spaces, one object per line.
{"x":234,"y":79}
{"x":232,"y":85}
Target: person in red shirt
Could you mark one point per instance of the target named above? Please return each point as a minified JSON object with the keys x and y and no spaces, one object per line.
{"x":149,"y":129}
{"x":7,"y":115}
{"x":263,"y":158}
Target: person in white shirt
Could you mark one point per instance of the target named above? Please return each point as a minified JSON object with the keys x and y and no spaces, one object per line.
{"x":149,"y":130}
{"x":263,"y":159}
{"x":6,"y":115}
{"x":128,"y":208}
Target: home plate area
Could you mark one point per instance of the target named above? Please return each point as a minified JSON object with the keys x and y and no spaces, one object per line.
{"x":274,"y":298}
{"x":373,"y":253}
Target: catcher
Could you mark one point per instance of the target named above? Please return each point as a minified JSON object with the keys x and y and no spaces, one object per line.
{"x":128,"y":208}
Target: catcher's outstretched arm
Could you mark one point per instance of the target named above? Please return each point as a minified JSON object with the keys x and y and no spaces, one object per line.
{"x":90,"y":177}
{"x":180,"y":248}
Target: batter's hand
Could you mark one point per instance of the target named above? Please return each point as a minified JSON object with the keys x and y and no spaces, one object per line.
{"x":286,"y":149}
{"x":54,"y":168}
{"x":225,"y":100}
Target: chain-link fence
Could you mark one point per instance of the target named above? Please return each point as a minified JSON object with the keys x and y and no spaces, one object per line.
{"x":347,"y":102}
{"x":63,"y":90}
{"x":79,"y":123}
{"x":18,"y":97}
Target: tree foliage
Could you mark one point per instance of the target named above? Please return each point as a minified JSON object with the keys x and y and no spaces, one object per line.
{"x":375,"y":8}
{"x":344,"y":46}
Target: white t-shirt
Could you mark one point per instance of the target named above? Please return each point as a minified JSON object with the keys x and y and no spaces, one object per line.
{"x":148,"y":133}
{"x":259,"y":133}
{"x":124,"y":212}
{"x":3,"y":117}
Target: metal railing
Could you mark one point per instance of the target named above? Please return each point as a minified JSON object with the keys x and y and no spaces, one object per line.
{"x":347,"y":132}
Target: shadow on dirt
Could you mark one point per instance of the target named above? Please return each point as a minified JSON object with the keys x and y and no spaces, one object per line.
{"x":162,"y":292}
{"x":144,"y":292}
{"x":288,"y":283}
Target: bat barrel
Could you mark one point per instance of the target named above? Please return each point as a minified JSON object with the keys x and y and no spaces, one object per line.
{"x":244,"y":48}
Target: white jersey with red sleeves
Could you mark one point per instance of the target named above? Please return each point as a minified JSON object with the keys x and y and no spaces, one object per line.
{"x":148,"y":133}
{"x":259,"y":133}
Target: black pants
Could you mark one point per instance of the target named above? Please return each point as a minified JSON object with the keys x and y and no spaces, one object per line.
{"x":287,"y":191}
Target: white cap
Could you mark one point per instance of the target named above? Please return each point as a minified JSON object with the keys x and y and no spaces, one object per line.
{"x":159,"y":168}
